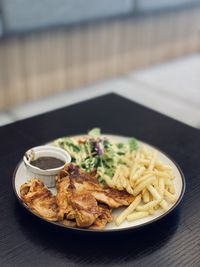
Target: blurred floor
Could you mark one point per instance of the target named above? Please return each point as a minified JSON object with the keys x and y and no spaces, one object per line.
{"x":172,"y":88}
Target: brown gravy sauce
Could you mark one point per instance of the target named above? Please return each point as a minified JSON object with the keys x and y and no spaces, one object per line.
{"x":45,"y":163}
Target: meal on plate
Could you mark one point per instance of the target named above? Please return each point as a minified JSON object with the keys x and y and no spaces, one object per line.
{"x":104,"y":174}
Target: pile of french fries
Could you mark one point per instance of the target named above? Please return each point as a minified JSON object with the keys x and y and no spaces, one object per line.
{"x":148,"y":179}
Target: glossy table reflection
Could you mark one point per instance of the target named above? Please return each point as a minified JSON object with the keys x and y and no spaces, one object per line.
{"x":173,"y":241}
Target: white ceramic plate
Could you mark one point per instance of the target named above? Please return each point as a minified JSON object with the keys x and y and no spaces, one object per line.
{"x":21,"y":175}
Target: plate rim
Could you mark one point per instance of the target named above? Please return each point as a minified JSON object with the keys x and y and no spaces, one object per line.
{"x":107,"y":230}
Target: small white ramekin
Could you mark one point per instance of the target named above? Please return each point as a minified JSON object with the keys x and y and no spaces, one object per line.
{"x":47,"y":176}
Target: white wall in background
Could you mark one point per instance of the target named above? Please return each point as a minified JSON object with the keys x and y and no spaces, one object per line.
{"x":147,"y":5}
{"x":22,"y":15}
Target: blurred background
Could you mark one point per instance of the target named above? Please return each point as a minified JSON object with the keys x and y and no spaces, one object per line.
{"x":55,"y":53}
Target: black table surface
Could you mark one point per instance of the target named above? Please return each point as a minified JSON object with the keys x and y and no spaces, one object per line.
{"x":172,"y":241}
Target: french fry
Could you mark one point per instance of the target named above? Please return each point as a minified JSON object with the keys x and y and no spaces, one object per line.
{"x":138,"y":208}
{"x":161,"y":186}
{"x":145,"y":196}
{"x":161,"y":166}
{"x":145,"y":151}
{"x":142,"y":178}
{"x":155,"y":183}
{"x":153,"y":160}
{"x":160,"y":174}
{"x":126,"y":171}
{"x":123,"y":181}
{"x":143,"y":191}
{"x":164,"y":205}
{"x":142,"y":185}
{"x":118,"y":184}
{"x":154,"y":192}
{"x":171,"y":198}
{"x":128,"y":161}
{"x":115,"y":177}
{"x":167,"y":182}
{"x":128,"y":210}
{"x":158,"y":165}
{"x":129,"y":189}
{"x":135,"y":164}
{"x":108,"y":180}
{"x":145,"y":162}
{"x":137,"y":174}
{"x":148,"y":206}
{"x":157,"y":189}
{"x":151,"y":211}
{"x":137,"y":215}
{"x":172,"y":188}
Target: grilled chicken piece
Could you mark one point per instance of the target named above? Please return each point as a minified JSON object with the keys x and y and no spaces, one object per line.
{"x":75,"y":204}
{"x":79,"y":194}
{"x":103,"y":218}
{"x":112,"y":198}
{"x":85,"y":207}
{"x":62,"y":199}
{"x":39,"y":199}
{"x":84,"y":182}
{"x":69,"y":223}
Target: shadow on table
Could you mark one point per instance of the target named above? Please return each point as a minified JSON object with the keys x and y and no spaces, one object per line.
{"x":101,"y":248}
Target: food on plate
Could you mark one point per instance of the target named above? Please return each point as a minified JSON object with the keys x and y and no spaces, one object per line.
{"x":39,"y":199}
{"x":80,"y":194}
{"x":80,"y":200}
{"x":105,"y":174}
{"x":75,"y":201}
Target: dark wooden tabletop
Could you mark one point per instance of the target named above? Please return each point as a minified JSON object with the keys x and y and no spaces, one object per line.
{"x":173,"y":241}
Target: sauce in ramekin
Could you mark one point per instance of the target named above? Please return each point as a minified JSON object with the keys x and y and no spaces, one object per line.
{"x":46,"y":163}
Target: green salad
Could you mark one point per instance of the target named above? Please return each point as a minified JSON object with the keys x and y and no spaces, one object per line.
{"x":97,"y":153}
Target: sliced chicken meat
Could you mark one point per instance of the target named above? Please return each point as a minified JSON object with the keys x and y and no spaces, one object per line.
{"x":39,"y":199}
{"x":82,"y":192}
{"x":81,"y":201}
